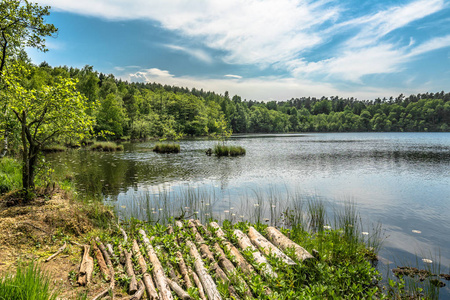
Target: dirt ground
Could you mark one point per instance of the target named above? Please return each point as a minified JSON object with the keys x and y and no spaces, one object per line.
{"x":35,"y":231}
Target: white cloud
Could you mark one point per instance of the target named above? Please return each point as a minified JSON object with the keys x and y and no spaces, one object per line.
{"x":233,"y":76}
{"x":197,"y":53}
{"x":149,"y":75}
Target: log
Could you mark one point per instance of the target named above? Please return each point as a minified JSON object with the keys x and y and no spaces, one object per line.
{"x":86,"y":268}
{"x":213,"y":265}
{"x":101,"y":261}
{"x":245,"y":244}
{"x":183,"y":269}
{"x":111,"y":285}
{"x":198,"y":238}
{"x":206,"y":280}
{"x":125,"y":237}
{"x":158,"y":272}
{"x":140,"y":292}
{"x":198,"y":283}
{"x":240,"y":260}
{"x":231,"y":271}
{"x":283,"y":242}
{"x":110,"y":250}
{"x":178,"y":290}
{"x":130,"y":272}
{"x":104,"y":251}
{"x":146,"y":278}
{"x":267,"y":247}
{"x":61,"y":249}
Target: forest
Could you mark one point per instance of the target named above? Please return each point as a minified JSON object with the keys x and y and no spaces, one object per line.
{"x":149,"y":110}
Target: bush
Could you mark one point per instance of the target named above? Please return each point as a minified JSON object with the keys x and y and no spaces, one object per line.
{"x":222,"y":150}
{"x":29,"y":282}
{"x":167,"y":148}
{"x":106,"y":146}
{"x":10,"y":175}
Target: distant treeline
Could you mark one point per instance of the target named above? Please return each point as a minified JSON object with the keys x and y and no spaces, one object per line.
{"x":146,"y":110}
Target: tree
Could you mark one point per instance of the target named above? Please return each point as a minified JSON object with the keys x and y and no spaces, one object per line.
{"x":45,"y":114}
{"x":21,"y":25}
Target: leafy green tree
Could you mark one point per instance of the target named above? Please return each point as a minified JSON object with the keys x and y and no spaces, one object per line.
{"x":44,"y":114}
{"x":111,"y":116}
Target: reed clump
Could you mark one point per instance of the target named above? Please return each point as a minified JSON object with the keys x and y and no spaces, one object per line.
{"x":225,"y":150}
{"x":54,"y":148}
{"x":166,"y":148}
{"x":106,"y":147}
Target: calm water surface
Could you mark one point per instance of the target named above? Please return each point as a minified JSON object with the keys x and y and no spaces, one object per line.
{"x":399,"y":179}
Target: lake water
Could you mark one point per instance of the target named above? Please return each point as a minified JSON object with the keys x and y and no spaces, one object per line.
{"x":399,"y":179}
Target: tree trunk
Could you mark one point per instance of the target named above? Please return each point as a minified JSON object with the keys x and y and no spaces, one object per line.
{"x":29,"y":157}
{"x":283,"y":242}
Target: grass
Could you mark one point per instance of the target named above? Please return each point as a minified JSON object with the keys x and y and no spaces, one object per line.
{"x":54,"y":148}
{"x":106,"y":146}
{"x":224,"y":150}
{"x":10,"y":174}
{"x":166,"y":148}
{"x":29,"y":282}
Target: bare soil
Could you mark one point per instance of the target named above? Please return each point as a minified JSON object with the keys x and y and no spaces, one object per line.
{"x":36,"y":230}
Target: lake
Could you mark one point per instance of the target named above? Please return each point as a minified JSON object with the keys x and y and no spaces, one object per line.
{"x":399,"y":179}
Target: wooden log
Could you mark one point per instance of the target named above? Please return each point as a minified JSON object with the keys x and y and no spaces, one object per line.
{"x":140,"y":292}
{"x":104,"y":251}
{"x":110,"y":250}
{"x":86,"y":268}
{"x":125,"y":236}
{"x":283,"y":242}
{"x":198,"y":238}
{"x":207,"y":281}
{"x":61,"y":249}
{"x":158,"y":272}
{"x":111,"y":285}
{"x":130,"y":272}
{"x":240,"y":260}
{"x":213,"y":265}
{"x":101,"y":261}
{"x":245,"y":244}
{"x":183,"y":269}
{"x":231,"y":271}
{"x":267,"y":247}
{"x":146,"y":278}
{"x":198,"y":283}
{"x":178,"y":290}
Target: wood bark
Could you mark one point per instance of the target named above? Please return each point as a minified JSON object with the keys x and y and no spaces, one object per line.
{"x":86,"y":268}
{"x":283,"y":242}
{"x":198,"y":283}
{"x":104,"y":252}
{"x":158,"y":272}
{"x":213,"y":265}
{"x":178,"y":290}
{"x":207,"y":281}
{"x":240,"y":260}
{"x":230,"y":270}
{"x":130,"y":272}
{"x":198,"y":238}
{"x":267,"y":247}
{"x":146,"y":278}
{"x":184,"y":270}
{"x":101,"y":261}
{"x":61,"y":249}
{"x":245,"y":243}
{"x":140,"y":292}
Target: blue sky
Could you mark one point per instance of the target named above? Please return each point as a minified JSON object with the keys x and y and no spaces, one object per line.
{"x":260,"y":49}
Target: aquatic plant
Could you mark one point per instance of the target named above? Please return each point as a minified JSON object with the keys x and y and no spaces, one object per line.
{"x":106,"y":146}
{"x":225,"y":150}
{"x":166,"y":148}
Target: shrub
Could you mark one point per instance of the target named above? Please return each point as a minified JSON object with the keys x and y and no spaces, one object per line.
{"x":167,"y":148}
{"x":222,"y":150}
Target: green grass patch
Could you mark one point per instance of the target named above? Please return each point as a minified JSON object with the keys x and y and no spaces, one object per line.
{"x":224,"y":150}
{"x":167,"y":148}
{"x":54,"y":148}
{"x":29,"y":282}
{"x":10,"y":174}
{"x":106,"y":146}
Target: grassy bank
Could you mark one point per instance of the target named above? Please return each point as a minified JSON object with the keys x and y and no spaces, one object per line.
{"x":106,"y":146}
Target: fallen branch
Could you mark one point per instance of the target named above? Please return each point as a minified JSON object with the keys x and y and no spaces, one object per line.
{"x":267,"y":247}
{"x":198,"y":283}
{"x":130,"y":272}
{"x":283,"y":242}
{"x":178,"y":290}
{"x":86,"y":268}
{"x":101,"y":261}
{"x":158,"y":272}
{"x":61,"y":249}
{"x":207,"y":281}
{"x":146,"y":278}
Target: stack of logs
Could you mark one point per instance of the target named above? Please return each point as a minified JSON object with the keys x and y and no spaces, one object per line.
{"x":158,"y":284}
